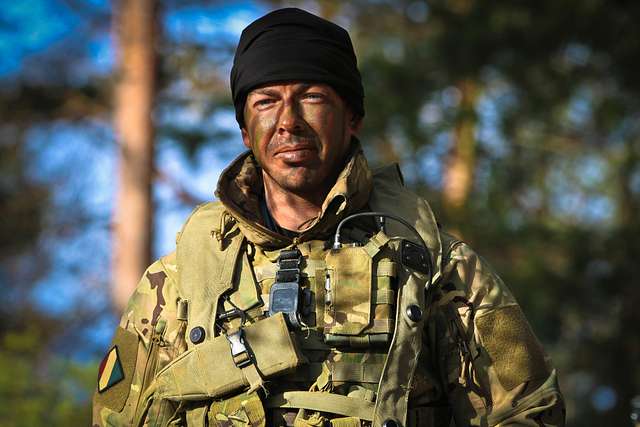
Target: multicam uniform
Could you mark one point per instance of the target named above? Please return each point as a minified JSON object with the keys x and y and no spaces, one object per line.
{"x":371,"y":346}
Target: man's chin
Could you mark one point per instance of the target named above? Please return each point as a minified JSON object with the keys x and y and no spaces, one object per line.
{"x":302,"y":180}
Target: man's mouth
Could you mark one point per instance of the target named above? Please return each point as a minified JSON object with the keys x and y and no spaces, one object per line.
{"x":296,"y":153}
{"x":295,"y":147}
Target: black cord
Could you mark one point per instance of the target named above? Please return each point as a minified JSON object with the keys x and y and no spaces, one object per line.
{"x":337,"y":244}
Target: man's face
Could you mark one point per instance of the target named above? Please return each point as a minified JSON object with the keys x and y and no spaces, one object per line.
{"x":299,"y":134}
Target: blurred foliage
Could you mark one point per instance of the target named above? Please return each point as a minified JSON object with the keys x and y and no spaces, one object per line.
{"x":554,"y":205}
{"x":38,"y":388}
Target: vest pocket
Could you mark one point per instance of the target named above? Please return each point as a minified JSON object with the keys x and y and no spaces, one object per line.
{"x":360,"y":295}
{"x":349,"y":296}
{"x":273,"y":352}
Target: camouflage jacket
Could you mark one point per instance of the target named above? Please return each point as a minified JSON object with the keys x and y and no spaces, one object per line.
{"x":472,"y":358}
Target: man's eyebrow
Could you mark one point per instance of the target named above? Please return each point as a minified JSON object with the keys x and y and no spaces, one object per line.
{"x":264,"y":91}
{"x":302,"y":87}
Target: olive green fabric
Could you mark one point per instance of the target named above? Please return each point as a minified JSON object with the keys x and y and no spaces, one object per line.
{"x":475,"y":391}
{"x":115,"y":397}
{"x":390,"y":196}
{"x":323,"y":402}
{"x":273,"y":350}
{"x":208,"y":250}
{"x":514,"y":350}
{"x":243,"y":410}
{"x":346,"y":422}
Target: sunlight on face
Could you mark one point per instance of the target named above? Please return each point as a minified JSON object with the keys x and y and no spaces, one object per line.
{"x":299,"y":134}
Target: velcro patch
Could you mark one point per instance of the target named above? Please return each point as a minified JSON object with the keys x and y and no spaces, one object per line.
{"x":117,"y":370}
{"x":515,"y":352}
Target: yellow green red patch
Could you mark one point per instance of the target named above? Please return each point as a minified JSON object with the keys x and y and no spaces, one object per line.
{"x":110,"y":372}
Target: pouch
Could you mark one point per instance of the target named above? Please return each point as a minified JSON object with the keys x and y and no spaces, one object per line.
{"x":361,"y":296}
{"x":208,"y":371}
{"x":350,"y":271}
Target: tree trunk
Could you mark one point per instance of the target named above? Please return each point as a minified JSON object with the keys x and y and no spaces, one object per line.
{"x":459,"y":172}
{"x":135,"y":27}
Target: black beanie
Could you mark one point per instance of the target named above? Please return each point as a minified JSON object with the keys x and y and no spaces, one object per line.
{"x":291,"y":44}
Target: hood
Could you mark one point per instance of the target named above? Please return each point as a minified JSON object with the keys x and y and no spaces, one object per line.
{"x":240,"y":188}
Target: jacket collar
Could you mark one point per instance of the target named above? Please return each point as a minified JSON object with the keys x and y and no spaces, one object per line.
{"x":240,"y":187}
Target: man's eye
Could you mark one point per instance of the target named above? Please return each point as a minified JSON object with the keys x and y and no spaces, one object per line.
{"x":314,"y":96}
{"x":263,"y":102}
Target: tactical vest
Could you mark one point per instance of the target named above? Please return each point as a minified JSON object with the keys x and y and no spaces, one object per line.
{"x":360,"y":325}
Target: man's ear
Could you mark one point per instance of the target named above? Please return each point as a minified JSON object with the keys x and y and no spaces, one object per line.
{"x":355,"y":124}
{"x":245,"y":138}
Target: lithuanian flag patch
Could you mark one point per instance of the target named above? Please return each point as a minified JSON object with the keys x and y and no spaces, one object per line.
{"x":110,"y":372}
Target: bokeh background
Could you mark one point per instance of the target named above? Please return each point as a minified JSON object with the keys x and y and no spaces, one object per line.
{"x":519,"y":121}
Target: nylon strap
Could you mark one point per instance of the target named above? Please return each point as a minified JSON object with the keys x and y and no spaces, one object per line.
{"x":254,"y":378}
{"x":387,"y":268}
{"x":323,"y":402}
{"x":356,"y":372}
{"x":341,"y":372}
{"x":376,"y":242}
{"x":384,"y":296}
{"x":345,"y":422}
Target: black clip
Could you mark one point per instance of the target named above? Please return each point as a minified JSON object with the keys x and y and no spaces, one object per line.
{"x":234,"y":313}
{"x":284,"y":295}
{"x":239,"y":352}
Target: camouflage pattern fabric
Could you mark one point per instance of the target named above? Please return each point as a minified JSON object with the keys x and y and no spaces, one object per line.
{"x":480,"y":363}
{"x":160,"y":338}
{"x":351,"y":273}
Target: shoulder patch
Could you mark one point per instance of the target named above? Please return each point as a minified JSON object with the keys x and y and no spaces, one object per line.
{"x":110,"y":372}
{"x":116,"y":371}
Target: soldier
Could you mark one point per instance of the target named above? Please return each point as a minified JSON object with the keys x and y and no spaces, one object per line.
{"x":317,"y":292}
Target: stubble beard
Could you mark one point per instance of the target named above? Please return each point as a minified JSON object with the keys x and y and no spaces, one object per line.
{"x":301,"y":181}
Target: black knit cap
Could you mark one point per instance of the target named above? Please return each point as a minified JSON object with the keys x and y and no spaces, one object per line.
{"x":293,"y":45}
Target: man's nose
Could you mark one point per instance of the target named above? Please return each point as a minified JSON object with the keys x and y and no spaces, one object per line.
{"x":290,"y":119}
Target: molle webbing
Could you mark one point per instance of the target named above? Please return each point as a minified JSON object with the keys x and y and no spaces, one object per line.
{"x":340,"y":372}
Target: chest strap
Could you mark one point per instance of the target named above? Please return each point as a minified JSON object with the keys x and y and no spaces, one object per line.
{"x":323,"y":402}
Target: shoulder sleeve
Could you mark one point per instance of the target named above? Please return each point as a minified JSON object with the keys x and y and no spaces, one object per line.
{"x":494,"y":366}
{"x":148,"y":337}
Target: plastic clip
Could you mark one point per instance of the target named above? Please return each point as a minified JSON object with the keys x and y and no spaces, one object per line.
{"x":239,"y":352}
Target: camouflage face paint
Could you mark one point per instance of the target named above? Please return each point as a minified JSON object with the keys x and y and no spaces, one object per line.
{"x":299,"y":133}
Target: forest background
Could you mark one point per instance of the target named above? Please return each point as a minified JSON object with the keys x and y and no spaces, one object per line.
{"x":518,"y":121}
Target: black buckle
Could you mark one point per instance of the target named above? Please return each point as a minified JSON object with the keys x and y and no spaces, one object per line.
{"x":284,"y":296}
{"x":239,"y":352}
